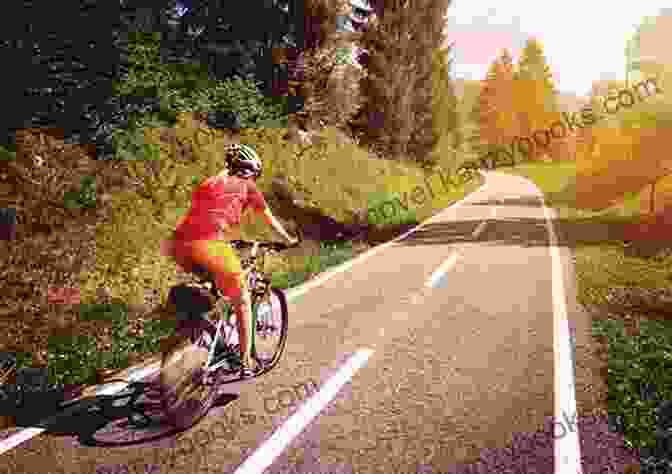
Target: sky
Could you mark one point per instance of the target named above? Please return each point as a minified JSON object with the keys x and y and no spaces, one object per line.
{"x":583,"y":40}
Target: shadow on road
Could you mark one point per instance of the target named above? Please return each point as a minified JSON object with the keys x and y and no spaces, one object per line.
{"x":522,"y":201}
{"x":531,"y":232}
{"x":84,"y":417}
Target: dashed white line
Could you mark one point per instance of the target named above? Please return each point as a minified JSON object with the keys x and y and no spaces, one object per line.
{"x":445,"y":266}
{"x":18,"y":438}
{"x":301,"y":289}
{"x":271,"y":449}
{"x":28,"y":433}
{"x":479,"y":229}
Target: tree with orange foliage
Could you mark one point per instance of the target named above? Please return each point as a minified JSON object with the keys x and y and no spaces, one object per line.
{"x":535,"y":97}
{"x":495,"y":110}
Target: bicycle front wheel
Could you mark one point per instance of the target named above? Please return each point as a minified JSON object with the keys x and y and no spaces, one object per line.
{"x":270,"y":334}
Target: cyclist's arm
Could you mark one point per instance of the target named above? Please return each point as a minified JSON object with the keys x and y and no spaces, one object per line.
{"x":273,"y":222}
{"x":259,"y":204}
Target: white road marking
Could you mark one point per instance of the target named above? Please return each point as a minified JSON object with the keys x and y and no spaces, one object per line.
{"x":273,"y":447}
{"x":29,"y":433}
{"x":301,"y":289}
{"x":567,"y":448}
{"x":18,"y":438}
{"x":479,"y":230}
{"x":439,"y":272}
{"x":134,"y":375}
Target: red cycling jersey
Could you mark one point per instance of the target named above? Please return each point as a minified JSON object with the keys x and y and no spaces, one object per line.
{"x":220,"y":200}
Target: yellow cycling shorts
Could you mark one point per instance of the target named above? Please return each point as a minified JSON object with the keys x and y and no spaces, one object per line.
{"x":218,"y":256}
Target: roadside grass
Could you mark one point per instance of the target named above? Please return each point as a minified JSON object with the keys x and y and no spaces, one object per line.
{"x":329,"y":255}
{"x":75,"y":359}
{"x":380,"y":215}
{"x":639,"y":363}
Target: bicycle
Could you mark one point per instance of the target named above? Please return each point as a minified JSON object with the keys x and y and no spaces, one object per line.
{"x":202,"y":383}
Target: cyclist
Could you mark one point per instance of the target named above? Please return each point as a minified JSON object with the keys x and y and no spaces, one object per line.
{"x":202,"y":236}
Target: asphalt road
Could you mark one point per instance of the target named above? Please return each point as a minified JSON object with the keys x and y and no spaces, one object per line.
{"x":445,"y":364}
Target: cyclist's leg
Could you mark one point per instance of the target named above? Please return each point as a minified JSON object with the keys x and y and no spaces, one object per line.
{"x":242,"y":308}
{"x":220,"y":258}
{"x":182,"y":251}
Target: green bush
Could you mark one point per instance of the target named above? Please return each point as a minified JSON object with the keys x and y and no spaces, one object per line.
{"x":191,"y":88}
{"x":7,"y":155}
{"x":131,"y":144}
{"x":75,"y":359}
{"x":330,"y":255}
{"x":72,"y":359}
{"x":375,"y":214}
{"x":84,"y":197}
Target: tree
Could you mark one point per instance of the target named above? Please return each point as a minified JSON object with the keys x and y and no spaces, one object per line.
{"x":69,"y":73}
{"x":444,"y":100}
{"x":495,"y":111}
{"x":428,"y":35}
{"x":396,"y":118}
{"x":66,"y":72}
{"x":384,"y":121}
{"x":535,"y":92}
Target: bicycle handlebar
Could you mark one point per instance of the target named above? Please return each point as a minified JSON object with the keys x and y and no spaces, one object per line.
{"x":277,"y":246}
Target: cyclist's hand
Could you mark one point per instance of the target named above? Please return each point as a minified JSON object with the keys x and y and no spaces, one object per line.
{"x":293,"y":241}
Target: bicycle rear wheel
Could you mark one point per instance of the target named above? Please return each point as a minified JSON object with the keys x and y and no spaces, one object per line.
{"x":270,"y":334}
{"x":186,"y":397}
{"x":125,"y":419}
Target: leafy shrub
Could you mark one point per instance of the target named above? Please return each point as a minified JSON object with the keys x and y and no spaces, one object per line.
{"x":72,"y":359}
{"x":330,"y":254}
{"x":637,"y":363}
{"x":7,"y":155}
{"x":130,"y":144}
{"x":76,"y":359}
{"x":376,"y":215}
{"x":190,"y":88}
{"x":85,"y":197}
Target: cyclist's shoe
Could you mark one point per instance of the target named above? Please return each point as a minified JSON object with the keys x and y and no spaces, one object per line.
{"x":228,"y":354}
{"x":246,"y":372}
{"x":220,"y":352}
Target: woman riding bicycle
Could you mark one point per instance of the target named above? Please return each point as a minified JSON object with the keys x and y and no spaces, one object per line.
{"x":203,"y":235}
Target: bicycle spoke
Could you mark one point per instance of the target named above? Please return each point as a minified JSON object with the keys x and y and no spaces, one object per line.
{"x":130,"y":421}
{"x":270,"y":330}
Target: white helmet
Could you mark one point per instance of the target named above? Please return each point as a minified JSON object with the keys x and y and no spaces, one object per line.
{"x":243,"y":161}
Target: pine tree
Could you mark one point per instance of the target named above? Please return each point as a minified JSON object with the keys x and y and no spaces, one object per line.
{"x":495,"y":109}
{"x":536,"y":95}
{"x":444,"y":100}
{"x":428,"y":35}
{"x":384,"y":121}
{"x":397,"y":115}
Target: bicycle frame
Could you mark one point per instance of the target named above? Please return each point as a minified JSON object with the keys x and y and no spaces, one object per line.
{"x":254,"y":265}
